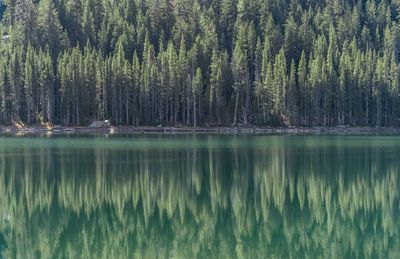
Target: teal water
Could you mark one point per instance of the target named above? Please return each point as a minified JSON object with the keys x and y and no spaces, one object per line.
{"x":200,"y":197}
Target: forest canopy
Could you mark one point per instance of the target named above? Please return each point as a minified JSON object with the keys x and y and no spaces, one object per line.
{"x":200,"y":62}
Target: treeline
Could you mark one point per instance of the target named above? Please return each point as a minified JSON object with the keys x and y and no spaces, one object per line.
{"x":215,"y":62}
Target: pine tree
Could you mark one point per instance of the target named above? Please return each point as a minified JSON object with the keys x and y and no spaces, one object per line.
{"x":30,"y":76}
{"x":101,"y":90}
{"x":172,"y":83}
{"x":46,"y":83}
{"x":331,"y":67}
{"x":88,"y":23}
{"x":293,"y":94}
{"x":118,"y":83}
{"x":184,"y":89}
{"x":146,"y":80}
{"x":88,"y":83}
{"x":227,"y":22}
{"x":196,"y":90}
{"x":5,"y":92}
{"x":292,"y":39}
{"x":15,"y":83}
{"x":73,"y":18}
{"x":241,"y":75}
{"x":303,"y":89}
{"x":25,"y":22}
{"x":280,"y":85}
{"x":50,"y":33}
{"x":215,"y":89}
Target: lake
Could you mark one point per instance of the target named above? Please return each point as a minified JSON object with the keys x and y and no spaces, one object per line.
{"x":200,"y":197}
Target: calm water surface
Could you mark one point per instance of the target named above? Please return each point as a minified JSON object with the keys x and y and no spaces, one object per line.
{"x":200,"y":197}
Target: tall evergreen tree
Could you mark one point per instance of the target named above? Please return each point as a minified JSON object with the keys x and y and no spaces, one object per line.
{"x":262,"y":62}
{"x":196,"y":89}
{"x":241,"y":76}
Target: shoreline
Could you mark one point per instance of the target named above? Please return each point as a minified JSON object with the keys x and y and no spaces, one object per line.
{"x":240,"y":130}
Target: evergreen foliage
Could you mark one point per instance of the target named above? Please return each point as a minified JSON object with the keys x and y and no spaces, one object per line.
{"x":146,"y":62}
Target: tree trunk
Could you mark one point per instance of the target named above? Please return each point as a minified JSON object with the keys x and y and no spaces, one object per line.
{"x":194,"y":112}
{"x":236,"y":107}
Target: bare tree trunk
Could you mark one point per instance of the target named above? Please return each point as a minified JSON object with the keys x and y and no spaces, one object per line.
{"x":236,"y":108}
{"x":366,"y":110}
{"x":50,"y":104}
{"x":28,"y":119}
{"x":386,"y":111}
{"x":194,"y":113}
{"x":127,"y":107}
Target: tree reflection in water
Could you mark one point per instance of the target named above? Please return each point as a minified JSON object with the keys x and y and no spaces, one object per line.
{"x":200,"y":197}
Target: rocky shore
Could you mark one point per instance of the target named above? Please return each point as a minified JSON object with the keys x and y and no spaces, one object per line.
{"x":252,"y":130}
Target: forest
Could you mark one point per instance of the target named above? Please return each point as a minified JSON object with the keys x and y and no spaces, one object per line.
{"x":200,"y":62}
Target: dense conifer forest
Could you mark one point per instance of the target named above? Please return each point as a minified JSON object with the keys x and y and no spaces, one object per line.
{"x":200,"y":62}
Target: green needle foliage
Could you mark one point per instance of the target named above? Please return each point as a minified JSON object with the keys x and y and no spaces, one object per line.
{"x":151,"y":62}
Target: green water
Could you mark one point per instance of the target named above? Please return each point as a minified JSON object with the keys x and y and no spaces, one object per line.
{"x":200,"y":197}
